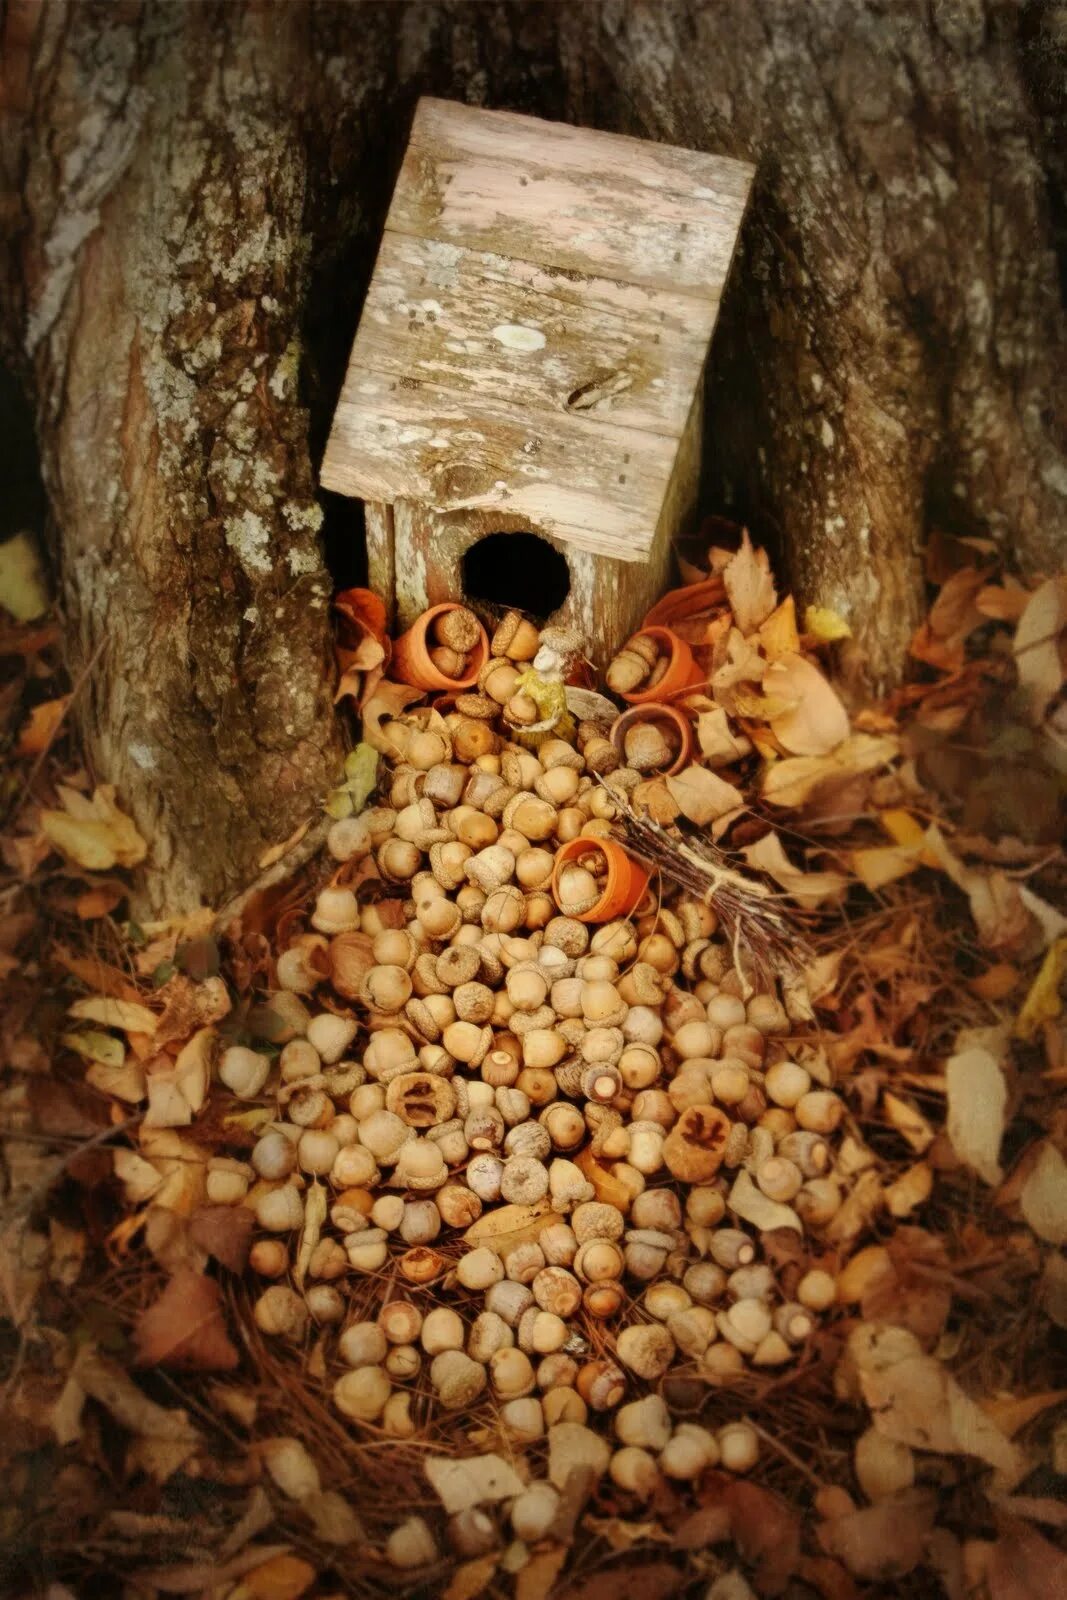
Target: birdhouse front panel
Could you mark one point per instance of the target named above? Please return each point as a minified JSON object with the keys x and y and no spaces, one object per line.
{"x":530,"y":358}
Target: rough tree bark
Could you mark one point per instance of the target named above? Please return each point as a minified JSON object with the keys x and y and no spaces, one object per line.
{"x":893,"y":347}
{"x":194,"y":198}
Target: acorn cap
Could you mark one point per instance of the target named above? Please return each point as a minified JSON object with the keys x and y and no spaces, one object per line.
{"x":505,"y":631}
{"x":458,"y":629}
{"x":564,"y":641}
{"x":480,"y":706}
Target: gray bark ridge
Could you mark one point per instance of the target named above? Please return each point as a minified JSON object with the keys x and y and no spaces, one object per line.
{"x":163,"y":262}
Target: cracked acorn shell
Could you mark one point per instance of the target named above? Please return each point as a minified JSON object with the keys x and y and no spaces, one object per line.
{"x":421,"y":1099}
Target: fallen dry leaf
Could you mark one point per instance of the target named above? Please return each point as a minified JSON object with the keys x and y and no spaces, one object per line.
{"x":766,"y":1531}
{"x":719,"y":745}
{"x":94,"y":834}
{"x":883,"y":1541}
{"x":477,"y":1480}
{"x":1036,"y":644}
{"x":185,"y":1327}
{"x":225,"y":1232}
{"x":387,"y":701}
{"x":1011,"y":1412}
{"x":778,"y":635}
{"x":1043,"y":1003}
{"x":471,"y":1577}
{"x":125,"y":1014}
{"x":41,"y":726}
{"x":815,"y":722}
{"x":702,"y":796}
{"x":999,"y":911}
{"x":749,"y":585}
{"x":808,"y":889}
{"x":825,"y":625}
{"x":176,"y":1092}
{"x":793,"y":781}
{"x":913,"y":1399}
{"x":283,"y":1577}
{"x":977,"y":1099}
{"x":1043,"y":1200}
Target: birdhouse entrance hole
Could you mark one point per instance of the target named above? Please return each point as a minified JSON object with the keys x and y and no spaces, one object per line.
{"x":516,"y":569}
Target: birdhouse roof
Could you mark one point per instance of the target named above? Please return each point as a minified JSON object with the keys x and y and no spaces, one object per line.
{"x":536,"y":327}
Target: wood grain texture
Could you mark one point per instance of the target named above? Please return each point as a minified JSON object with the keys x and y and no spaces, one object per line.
{"x":585,"y":482}
{"x":441,"y":314}
{"x":571,"y":197}
{"x":606,"y":602}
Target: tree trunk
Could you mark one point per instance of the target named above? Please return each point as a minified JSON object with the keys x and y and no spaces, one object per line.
{"x":888,"y":354}
{"x":198,"y":196}
{"x":163,"y":267}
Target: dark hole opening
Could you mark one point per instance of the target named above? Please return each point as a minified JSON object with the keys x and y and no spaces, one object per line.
{"x":516,"y":569}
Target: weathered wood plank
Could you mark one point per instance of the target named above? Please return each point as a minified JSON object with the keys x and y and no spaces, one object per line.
{"x":463,"y":130}
{"x":475,"y":323}
{"x":572,"y":198}
{"x":381,"y":553}
{"x":586,"y":482}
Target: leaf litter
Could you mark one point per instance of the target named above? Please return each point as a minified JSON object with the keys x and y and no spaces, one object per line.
{"x":922,"y":836}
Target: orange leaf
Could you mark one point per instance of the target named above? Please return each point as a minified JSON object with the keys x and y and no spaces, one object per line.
{"x":41,"y":726}
{"x":877,"y":867}
{"x":996,"y":982}
{"x":185,"y":1328}
{"x":98,"y":902}
{"x":283,"y":1577}
{"x":1012,"y":1412}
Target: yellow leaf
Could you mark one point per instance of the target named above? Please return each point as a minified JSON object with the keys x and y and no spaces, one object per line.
{"x":702,"y":795}
{"x":996,"y":982}
{"x":124,"y":1014}
{"x":1044,"y":1002}
{"x":778,"y":635}
{"x":903,"y":828}
{"x":908,"y":1121}
{"x":94,"y":834}
{"x":749,"y":585}
{"x":537,"y":1579}
{"x":883,"y":864}
{"x":906,"y":831}
{"x":96,"y":1046}
{"x":22,"y":579}
{"x":87,"y":844}
{"x":825,"y":625}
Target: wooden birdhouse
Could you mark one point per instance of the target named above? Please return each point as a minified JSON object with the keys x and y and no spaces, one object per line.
{"x":522,"y":408}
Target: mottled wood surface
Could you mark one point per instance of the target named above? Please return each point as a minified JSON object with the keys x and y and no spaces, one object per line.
{"x":396,"y":440}
{"x":571,"y":197}
{"x":536,"y":327}
{"x":441,"y":314}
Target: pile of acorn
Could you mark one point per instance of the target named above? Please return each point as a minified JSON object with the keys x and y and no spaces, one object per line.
{"x":537,"y":1112}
